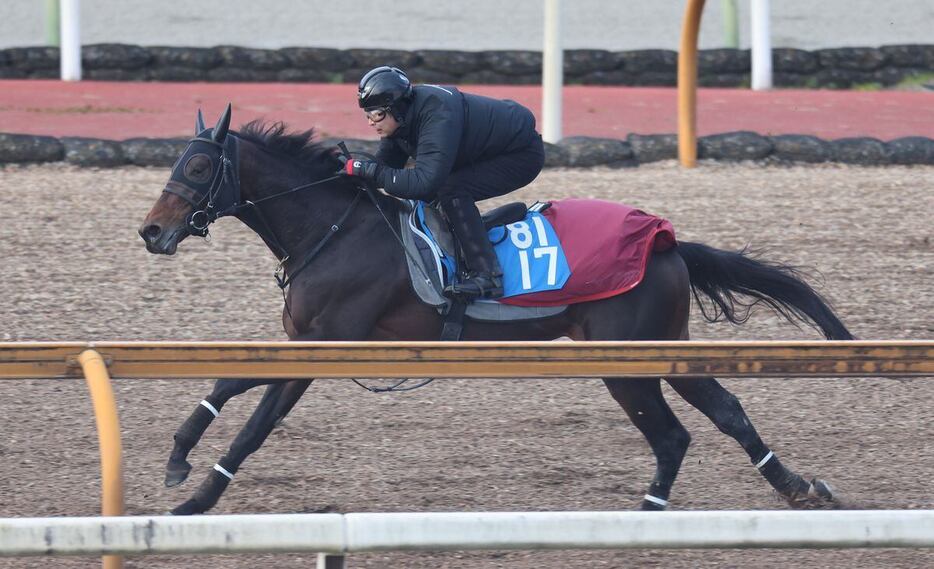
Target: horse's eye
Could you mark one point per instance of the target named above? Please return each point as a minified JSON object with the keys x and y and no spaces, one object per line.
{"x":199,"y":168}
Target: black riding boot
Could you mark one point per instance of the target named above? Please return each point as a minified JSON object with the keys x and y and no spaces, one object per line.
{"x":484,"y":275}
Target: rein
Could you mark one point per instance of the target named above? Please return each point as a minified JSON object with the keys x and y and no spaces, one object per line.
{"x":228,"y":175}
{"x":287,"y":280}
{"x":371,"y":194}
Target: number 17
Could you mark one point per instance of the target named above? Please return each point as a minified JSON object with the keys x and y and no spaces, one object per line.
{"x":539,"y":252}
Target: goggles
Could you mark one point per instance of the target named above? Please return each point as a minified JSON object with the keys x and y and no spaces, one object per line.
{"x":376,"y":115}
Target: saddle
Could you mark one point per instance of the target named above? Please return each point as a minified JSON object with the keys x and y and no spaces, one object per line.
{"x":441,"y":231}
{"x":432,"y":254}
{"x":566,"y":252}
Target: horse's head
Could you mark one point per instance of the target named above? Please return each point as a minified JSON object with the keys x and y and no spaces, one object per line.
{"x":204,"y":185}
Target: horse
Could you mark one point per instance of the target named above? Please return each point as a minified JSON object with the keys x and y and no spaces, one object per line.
{"x":346,"y":279}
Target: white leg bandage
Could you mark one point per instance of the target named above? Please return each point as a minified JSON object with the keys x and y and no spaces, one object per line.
{"x":210,"y":408}
{"x":654,"y":500}
{"x":765,"y":459}
{"x":223,"y":471}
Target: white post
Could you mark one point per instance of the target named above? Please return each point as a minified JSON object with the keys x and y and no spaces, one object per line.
{"x":761,"y":46}
{"x":552,"y":73}
{"x":71,"y":40}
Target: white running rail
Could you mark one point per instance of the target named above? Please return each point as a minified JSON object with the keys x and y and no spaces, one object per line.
{"x":347,"y":533}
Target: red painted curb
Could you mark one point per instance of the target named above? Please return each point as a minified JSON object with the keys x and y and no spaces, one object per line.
{"x":121,"y":110}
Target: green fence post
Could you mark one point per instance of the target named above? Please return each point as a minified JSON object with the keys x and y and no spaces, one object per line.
{"x":52,"y":23}
{"x":730,"y":24}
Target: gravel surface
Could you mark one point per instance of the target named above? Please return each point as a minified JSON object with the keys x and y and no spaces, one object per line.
{"x":73,"y":269}
{"x":479,"y":25}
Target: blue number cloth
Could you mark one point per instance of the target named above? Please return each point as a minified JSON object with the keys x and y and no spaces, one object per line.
{"x":529,"y":252}
{"x":531,"y":256}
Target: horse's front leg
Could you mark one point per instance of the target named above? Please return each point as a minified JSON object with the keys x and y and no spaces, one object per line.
{"x":188,"y":435}
{"x":275,"y":404}
{"x":316,"y":316}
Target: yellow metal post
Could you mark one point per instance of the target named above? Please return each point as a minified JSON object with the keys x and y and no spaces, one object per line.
{"x":108,"y":433}
{"x":687,"y":84}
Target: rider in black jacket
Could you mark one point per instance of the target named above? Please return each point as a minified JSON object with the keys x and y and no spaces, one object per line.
{"x":466,"y":148}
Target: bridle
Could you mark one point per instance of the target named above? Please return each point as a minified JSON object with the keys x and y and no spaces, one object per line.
{"x":222,"y":198}
{"x":205,"y":204}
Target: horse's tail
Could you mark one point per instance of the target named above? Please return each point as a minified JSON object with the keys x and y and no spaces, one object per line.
{"x":725,"y":276}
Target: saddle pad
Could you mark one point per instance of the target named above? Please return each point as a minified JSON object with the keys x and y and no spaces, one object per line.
{"x":531,"y":256}
{"x":607,"y":246}
{"x":528,"y":251}
{"x":426,"y":263}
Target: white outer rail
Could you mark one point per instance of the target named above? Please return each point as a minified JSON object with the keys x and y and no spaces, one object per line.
{"x":70,"y":49}
{"x":552,"y":62}
{"x":348,"y":533}
{"x":552,"y":72}
{"x":761,"y":45}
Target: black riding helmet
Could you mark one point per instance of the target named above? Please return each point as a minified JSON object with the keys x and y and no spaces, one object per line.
{"x":384,"y":88}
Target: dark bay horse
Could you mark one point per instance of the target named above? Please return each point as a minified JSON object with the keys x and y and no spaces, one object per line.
{"x":356,"y":287}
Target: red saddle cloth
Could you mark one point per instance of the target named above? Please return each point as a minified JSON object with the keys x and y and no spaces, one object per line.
{"x":607,"y":246}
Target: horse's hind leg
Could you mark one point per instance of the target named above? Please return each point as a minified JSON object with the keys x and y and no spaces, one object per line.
{"x":643,"y":401}
{"x":725,"y":411}
{"x":275,"y":404}
{"x":190,"y":432}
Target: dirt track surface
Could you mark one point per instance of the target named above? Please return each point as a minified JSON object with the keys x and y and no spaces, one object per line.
{"x":72,"y":268}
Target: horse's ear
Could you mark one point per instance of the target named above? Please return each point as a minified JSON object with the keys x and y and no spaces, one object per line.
{"x":223,"y":125}
{"x":199,"y":123}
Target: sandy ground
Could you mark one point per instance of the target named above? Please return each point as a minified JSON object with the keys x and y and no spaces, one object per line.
{"x":477,"y":25}
{"x":72,"y":268}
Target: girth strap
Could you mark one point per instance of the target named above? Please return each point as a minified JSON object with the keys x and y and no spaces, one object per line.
{"x":453,"y":325}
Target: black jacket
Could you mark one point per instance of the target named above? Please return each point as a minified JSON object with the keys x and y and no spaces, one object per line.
{"x":445,"y":130}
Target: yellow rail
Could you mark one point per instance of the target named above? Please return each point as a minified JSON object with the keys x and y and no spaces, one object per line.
{"x":287,"y":360}
{"x":108,"y":434}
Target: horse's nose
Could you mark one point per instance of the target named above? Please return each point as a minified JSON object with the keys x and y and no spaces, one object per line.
{"x":150,"y":232}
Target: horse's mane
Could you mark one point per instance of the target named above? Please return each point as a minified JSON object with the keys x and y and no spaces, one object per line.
{"x":301,"y":146}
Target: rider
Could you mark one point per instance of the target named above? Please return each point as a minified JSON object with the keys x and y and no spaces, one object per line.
{"x":466,"y":148}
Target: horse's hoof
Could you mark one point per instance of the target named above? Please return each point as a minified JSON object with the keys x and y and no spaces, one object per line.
{"x":176,"y":473}
{"x":819,"y":496}
{"x":821,"y":489}
{"x":189,"y":508}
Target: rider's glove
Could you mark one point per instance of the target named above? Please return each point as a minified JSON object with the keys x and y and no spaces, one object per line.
{"x":366,"y":169}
